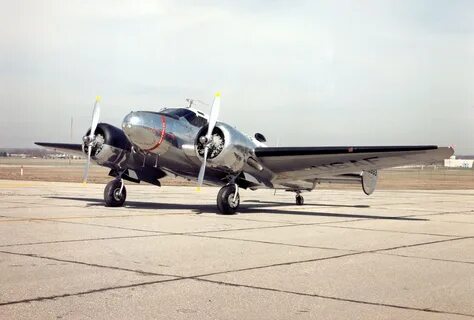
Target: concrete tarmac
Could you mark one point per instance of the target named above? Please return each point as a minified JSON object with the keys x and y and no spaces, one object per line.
{"x":168,"y":255}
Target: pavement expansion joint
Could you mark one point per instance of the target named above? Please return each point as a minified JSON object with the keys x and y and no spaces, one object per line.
{"x":442,"y":213}
{"x":86,"y":292}
{"x":393,"y":231}
{"x":424,"y":243}
{"x":329,"y":257}
{"x":336,"y":298}
{"x":269,"y":242}
{"x":198,"y":278}
{"x":141,"y":272}
{"x":423,"y":258}
{"x":78,"y":240}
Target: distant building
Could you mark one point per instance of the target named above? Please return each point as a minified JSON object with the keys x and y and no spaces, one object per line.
{"x":18,"y":155}
{"x":458,"y":163}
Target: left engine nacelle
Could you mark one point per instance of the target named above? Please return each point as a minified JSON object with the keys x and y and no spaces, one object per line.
{"x":110,"y":146}
{"x":229,"y":149}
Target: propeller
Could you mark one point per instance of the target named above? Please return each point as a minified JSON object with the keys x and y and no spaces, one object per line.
{"x":89,"y":140}
{"x":206,"y":140}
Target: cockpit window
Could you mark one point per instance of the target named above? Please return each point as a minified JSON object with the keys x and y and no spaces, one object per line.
{"x":189,"y":115}
{"x":179,"y":112}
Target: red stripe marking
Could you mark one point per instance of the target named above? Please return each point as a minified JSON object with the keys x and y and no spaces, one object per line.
{"x":163,"y":133}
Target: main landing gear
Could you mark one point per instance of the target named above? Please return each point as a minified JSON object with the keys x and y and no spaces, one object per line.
{"x":115,"y":193}
{"x":228,"y":199}
{"x":299,"y":199}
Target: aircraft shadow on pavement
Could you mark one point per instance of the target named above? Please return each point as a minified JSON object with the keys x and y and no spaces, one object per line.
{"x":250,"y":207}
{"x":312,"y":204}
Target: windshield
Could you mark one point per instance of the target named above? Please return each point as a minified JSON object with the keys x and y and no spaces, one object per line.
{"x":189,"y":115}
{"x":179,"y":112}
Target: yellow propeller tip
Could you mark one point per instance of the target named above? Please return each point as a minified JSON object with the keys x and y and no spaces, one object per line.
{"x":198,"y":189}
{"x":218,"y":94}
{"x":98,"y":98}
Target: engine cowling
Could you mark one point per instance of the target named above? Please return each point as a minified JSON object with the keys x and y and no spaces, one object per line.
{"x":110,"y":146}
{"x":228,"y":149}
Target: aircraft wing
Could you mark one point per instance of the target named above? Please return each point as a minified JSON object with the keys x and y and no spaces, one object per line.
{"x":305,"y":163}
{"x":69,"y":148}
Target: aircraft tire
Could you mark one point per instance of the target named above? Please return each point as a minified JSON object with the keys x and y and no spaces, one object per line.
{"x":112,"y":195}
{"x":225,"y":200}
{"x":299,"y":200}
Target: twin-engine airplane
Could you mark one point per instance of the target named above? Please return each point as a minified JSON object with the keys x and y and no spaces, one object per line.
{"x":188,"y":143}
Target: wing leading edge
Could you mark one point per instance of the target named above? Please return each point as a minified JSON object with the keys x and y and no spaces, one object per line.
{"x":69,"y":148}
{"x":296,"y":163}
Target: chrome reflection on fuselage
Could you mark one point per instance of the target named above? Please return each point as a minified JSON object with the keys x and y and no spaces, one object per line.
{"x":144,"y":129}
{"x":165,"y":135}
{"x":172,"y":135}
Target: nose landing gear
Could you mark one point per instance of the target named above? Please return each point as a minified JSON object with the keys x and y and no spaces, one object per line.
{"x":228,"y":199}
{"x":115,"y":193}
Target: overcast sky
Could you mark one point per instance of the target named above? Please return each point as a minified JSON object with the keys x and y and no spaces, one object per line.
{"x":304,"y":73}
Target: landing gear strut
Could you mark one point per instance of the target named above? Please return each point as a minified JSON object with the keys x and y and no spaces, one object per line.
{"x":115,"y":193}
{"x":299,"y":199}
{"x":228,"y":199}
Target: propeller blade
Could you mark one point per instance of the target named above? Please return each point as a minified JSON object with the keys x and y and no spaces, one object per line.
{"x":212,"y":123}
{"x":203,"y":169}
{"x":213,"y":116}
{"x":86,"y":168}
{"x":95,"y":122}
{"x":95,"y":116}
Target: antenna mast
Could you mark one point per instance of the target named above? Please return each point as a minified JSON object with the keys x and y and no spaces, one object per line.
{"x":190,"y":101}
{"x":194,"y":101}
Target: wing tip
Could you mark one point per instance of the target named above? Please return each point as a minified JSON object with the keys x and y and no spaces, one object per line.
{"x":45,"y":144}
{"x":65,"y":146}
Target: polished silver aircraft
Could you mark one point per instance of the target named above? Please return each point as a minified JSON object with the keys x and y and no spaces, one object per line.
{"x":188,"y":143}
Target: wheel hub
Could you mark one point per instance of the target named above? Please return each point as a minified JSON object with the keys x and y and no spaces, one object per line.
{"x":232,"y":203}
{"x":117,"y":194}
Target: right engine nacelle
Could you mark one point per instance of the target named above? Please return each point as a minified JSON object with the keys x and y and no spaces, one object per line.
{"x":228,"y":151}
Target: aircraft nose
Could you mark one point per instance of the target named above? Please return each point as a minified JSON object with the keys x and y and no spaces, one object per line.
{"x":131,"y":120}
{"x":143,"y":130}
